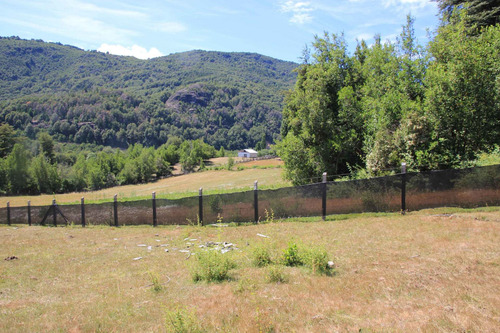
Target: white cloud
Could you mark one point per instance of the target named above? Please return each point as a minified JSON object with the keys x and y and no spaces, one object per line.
{"x":134,"y":51}
{"x":300,"y":11}
{"x":171,"y":27}
{"x":407,"y":4}
{"x":81,"y":6}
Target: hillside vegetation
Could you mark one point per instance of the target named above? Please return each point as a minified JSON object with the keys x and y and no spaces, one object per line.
{"x":228,"y":99}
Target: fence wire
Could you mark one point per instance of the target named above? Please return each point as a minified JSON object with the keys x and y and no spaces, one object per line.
{"x":473,"y":187}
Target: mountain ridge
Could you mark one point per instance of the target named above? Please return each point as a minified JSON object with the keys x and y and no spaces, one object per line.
{"x":243,"y":92}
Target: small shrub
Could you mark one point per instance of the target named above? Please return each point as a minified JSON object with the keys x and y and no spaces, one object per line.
{"x":212,"y":266}
{"x":244,"y":285}
{"x":182,"y":321}
{"x":317,"y":261}
{"x":230,"y":163}
{"x":291,"y":256}
{"x":155,"y":279}
{"x":276,"y":274}
{"x":262,"y":256}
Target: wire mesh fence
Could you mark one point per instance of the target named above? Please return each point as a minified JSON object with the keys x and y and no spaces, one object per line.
{"x":473,"y":187}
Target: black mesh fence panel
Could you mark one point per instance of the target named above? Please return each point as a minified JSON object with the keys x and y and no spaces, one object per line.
{"x":472,"y":187}
{"x":365,"y":195}
{"x":179,"y":211}
{"x":135,"y":212}
{"x":99,"y":214}
{"x":466,"y":188}
{"x":230,"y":207}
{"x":291,"y":201}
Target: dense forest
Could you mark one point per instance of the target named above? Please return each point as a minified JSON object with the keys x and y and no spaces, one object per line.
{"x":391,"y":102}
{"x":229,"y":100}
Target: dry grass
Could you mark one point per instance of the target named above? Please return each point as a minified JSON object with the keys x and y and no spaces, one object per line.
{"x":422,"y":272}
{"x":190,"y":183}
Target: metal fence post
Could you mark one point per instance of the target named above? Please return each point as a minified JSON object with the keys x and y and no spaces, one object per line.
{"x":115,"y":209}
{"x":256,"y":201}
{"x":83,"y":211}
{"x":8,"y":212}
{"x":323,"y":195}
{"x":200,"y":210}
{"x":155,"y":222}
{"x":29,"y":213}
{"x":54,"y":212}
{"x":403,"y":188}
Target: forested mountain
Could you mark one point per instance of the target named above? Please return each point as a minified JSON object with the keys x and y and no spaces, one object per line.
{"x":230,"y":100}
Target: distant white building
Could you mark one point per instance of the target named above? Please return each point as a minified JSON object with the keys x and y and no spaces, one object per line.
{"x":248,"y":153}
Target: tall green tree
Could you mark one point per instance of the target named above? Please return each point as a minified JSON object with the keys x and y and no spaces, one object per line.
{"x":480,"y":13}
{"x":45,"y":175}
{"x":463,"y":95}
{"x":7,"y":139}
{"x":47,"y":145}
{"x":315,"y":125}
{"x":17,"y":165}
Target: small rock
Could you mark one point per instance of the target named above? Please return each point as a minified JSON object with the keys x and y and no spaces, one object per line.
{"x":149,"y":248}
{"x":261,"y":235}
{"x":184,"y":251}
{"x":138,"y":258}
{"x":331,"y":264}
{"x":141,"y":245}
{"x":166,"y":250}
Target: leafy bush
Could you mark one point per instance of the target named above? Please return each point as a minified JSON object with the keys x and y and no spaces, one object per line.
{"x":182,"y":321}
{"x":212,"y":266}
{"x":317,"y":261}
{"x":275,"y":274}
{"x":291,"y":256}
{"x":262,"y":256}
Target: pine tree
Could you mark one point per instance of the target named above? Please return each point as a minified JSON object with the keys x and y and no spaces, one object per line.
{"x":482,"y":13}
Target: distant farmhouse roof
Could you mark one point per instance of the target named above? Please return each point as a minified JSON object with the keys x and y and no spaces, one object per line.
{"x":248,"y":153}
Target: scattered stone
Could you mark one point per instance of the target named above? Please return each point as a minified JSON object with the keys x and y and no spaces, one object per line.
{"x":149,"y":248}
{"x":11,"y":258}
{"x":157,"y":240}
{"x":261,"y":235}
{"x":331,"y":264}
{"x":166,"y":250}
{"x":141,"y":245}
{"x":138,"y":258}
{"x":448,"y":308}
{"x":184,"y":251}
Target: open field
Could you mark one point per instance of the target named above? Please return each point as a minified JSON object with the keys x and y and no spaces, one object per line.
{"x":428,"y":271}
{"x":220,"y":180}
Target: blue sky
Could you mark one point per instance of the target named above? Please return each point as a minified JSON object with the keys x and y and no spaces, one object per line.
{"x":151,"y":28}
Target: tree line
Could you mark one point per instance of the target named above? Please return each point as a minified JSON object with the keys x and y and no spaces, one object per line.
{"x":391,"y":102}
{"x":36,"y":166}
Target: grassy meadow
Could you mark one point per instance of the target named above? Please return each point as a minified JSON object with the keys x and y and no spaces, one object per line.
{"x":266,"y":172}
{"x":428,"y":271}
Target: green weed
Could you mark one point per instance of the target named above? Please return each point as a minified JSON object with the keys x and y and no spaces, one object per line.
{"x":291,"y":256}
{"x":276,"y":274}
{"x":261,"y":256}
{"x":212,"y":266}
{"x":181,"y":320}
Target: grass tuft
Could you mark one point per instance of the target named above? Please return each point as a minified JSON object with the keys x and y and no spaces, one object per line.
{"x":212,"y":266}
